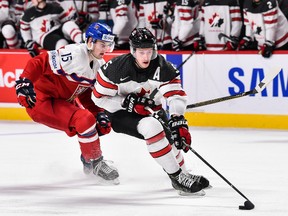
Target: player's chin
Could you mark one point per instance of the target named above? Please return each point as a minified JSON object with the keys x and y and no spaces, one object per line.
{"x":145,"y":64}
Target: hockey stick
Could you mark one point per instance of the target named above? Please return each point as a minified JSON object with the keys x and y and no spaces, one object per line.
{"x":248,"y":205}
{"x":262,"y":85}
{"x":186,"y":60}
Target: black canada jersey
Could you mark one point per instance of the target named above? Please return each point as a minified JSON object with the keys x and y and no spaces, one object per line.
{"x":263,"y":6}
{"x":120,"y":76}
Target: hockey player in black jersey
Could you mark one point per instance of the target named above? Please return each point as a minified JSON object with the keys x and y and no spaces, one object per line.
{"x":124,"y":87}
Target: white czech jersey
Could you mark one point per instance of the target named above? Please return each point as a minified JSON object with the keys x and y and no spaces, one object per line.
{"x":187,"y":21}
{"x":266,"y":23}
{"x":220,"y":17}
{"x":73,"y":61}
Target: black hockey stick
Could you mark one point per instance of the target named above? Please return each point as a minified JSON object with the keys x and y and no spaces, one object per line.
{"x":248,"y":205}
{"x":186,"y":60}
{"x":262,"y":85}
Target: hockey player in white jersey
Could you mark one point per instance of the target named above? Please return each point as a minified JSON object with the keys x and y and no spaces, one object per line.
{"x":265,"y":23}
{"x":185,"y":27}
{"x":8,"y":27}
{"x":124,"y":86}
{"x":53,"y":80}
{"x":220,"y":25}
{"x":48,"y":26}
{"x":83,"y":12}
{"x":152,"y":16}
{"x":124,"y":16}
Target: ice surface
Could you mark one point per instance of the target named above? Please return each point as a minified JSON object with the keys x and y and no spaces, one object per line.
{"x":41,"y":174}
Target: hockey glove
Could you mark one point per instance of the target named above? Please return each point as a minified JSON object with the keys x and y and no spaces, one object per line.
{"x":267,"y":49}
{"x":168,"y":10}
{"x":32,"y":47}
{"x":103,"y":125}
{"x":244,"y":43}
{"x":25,"y":93}
{"x":103,"y":5}
{"x":83,"y":19}
{"x":199,"y":43}
{"x":232,"y":44}
{"x":157,"y":23}
{"x":177,"y":44}
{"x":133,"y":103}
{"x":180,"y":132}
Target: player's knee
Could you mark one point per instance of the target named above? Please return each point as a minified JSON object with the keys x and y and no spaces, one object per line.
{"x":8,"y":31}
{"x":83,"y":121}
{"x":149,"y":127}
{"x":60,"y":43}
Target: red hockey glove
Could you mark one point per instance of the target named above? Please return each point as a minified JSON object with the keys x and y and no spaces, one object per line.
{"x":133,"y":103}
{"x":157,"y":23}
{"x":83,"y":19}
{"x":180,"y":132}
{"x":199,"y":43}
{"x":32,"y":47}
{"x":232,"y":44}
{"x":103,"y":125}
{"x":244,"y":43}
{"x":25,"y":93}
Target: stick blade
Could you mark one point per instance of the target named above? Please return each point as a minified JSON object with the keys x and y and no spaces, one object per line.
{"x":267,"y":79}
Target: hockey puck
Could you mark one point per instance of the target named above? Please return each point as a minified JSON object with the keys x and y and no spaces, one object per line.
{"x":247,"y":206}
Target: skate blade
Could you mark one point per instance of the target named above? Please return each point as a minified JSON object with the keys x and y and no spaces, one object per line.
{"x":103,"y":182}
{"x":200,"y":193}
{"x":208,"y":187}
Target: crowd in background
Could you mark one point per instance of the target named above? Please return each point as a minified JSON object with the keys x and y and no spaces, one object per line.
{"x":177,"y":24}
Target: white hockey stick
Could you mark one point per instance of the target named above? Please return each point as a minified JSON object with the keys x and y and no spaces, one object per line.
{"x":262,"y":85}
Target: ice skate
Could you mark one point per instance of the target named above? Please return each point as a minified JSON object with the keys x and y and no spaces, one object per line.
{"x":185,"y":185}
{"x":104,"y":173}
{"x":201,"y":179}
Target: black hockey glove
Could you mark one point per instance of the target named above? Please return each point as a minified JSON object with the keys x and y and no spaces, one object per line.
{"x":267,"y":50}
{"x":133,"y":103}
{"x":177,"y":44}
{"x":244,"y":43}
{"x":32,"y":47}
{"x":199,"y":43}
{"x":232,"y":44}
{"x":158,"y":22}
{"x":25,"y":93}
{"x":168,"y":10}
{"x":83,"y":19}
{"x":103,"y":125}
{"x":103,"y":5}
{"x":180,"y":132}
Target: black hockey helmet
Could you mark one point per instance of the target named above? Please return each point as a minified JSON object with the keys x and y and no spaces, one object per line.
{"x":142,"y":38}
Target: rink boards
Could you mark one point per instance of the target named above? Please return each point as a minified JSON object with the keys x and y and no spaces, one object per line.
{"x":205,"y":76}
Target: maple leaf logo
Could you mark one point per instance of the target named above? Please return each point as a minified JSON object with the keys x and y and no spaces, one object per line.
{"x":152,"y":16}
{"x":44,"y":26}
{"x":216,"y":21}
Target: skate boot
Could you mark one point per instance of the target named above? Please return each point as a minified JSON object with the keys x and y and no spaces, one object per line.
{"x":185,"y":185}
{"x":100,"y":168}
{"x":201,"y":179}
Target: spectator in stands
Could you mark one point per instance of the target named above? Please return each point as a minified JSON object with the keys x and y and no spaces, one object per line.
{"x":152,"y":15}
{"x":265,"y":23}
{"x":124,"y":16}
{"x":47,"y":25}
{"x":185,"y":27}
{"x":8,"y":31}
{"x":220,"y":25}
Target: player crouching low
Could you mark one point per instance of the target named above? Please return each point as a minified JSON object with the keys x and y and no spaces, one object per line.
{"x":124,"y":88}
{"x":52,"y":82}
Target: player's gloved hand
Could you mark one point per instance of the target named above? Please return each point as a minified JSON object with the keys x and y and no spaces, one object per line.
{"x":244,"y":43}
{"x":103,"y":125}
{"x":267,"y":49}
{"x":168,"y":10}
{"x":177,"y":44}
{"x":180,"y":132}
{"x":199,"y":43}
{"x":232,"y":44}
{"x":103,"y":5}
{"x":83,"y":19}
{"x":25,"y":93}
{"x":32,"y":47}
{"x":133,"y":103}
{"x":158,"y":22}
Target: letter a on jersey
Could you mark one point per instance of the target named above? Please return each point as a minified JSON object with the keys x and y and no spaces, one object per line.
{"x":157,"y":74}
